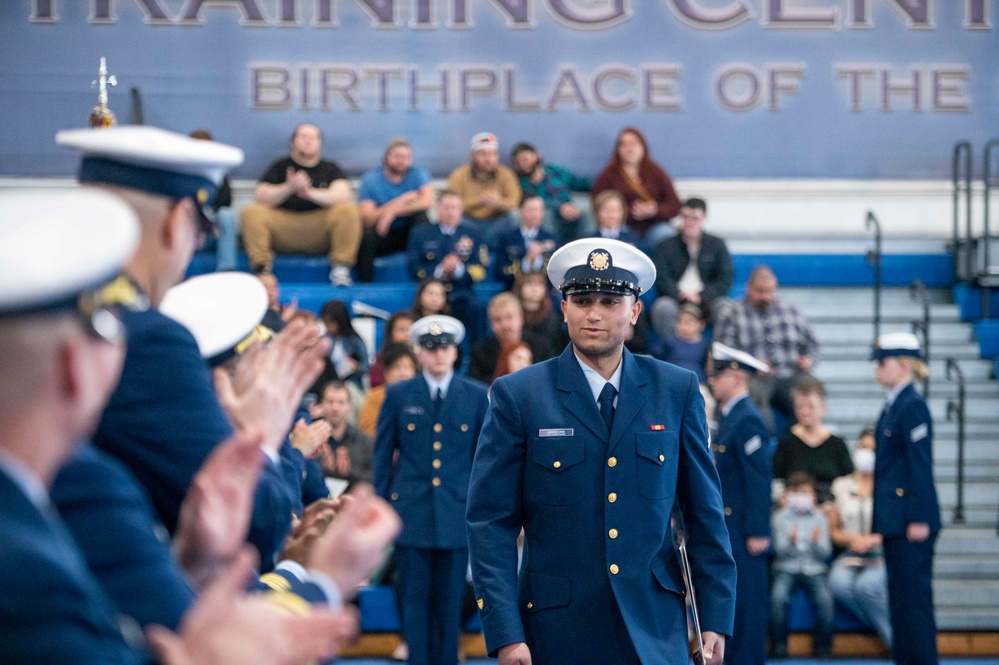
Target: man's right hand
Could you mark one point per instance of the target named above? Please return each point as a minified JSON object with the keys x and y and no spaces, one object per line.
{"x":298,"y":181}
{"x":515,"y":654}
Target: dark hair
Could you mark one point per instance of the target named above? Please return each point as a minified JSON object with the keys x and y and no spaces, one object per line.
{"x":799,"y":479}
{"x":696,"y":204}
{"x":545,"y":311}
{"x":447,"y":192}
{"x":644,"y":166}
{"x":335,"y":384}
{"x":336,"y":311}
{"x":201,"y":134}
{"x":522,"y":147}
{"x":809,"y":385}
{"x":867,"y":431}
{"x":396,"y":351}
{"x":418,"y":312}
{"x":390,"y":324}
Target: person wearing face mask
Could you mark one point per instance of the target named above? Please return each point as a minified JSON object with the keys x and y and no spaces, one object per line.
{"x":857,"y":579}
{"x":906,"y":509}
{"x":801,"y":549}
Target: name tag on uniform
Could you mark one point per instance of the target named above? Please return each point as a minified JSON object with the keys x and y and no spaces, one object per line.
{"x":919,"y":432}
{"x":754,"y":444}
{"x":415,"y":410}
{"x":544,"y":433}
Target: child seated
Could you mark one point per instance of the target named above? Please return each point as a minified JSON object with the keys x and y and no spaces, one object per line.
{"x":688,"y":348}
{"x":801,"y":552}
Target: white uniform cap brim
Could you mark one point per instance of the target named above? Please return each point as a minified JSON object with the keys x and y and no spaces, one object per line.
{"x":622,"y":254}
{"x":219,"y":309}
{"x":898,"y":341}
{"x":723,"y":352}
{"x":448,"y":324}
{"x":155,"y":148}
{"x":53,"y":246}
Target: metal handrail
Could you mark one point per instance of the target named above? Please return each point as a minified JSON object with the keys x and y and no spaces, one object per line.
{"x":918,"y":291}
{"x":962,"y":149}
{"x":874,"y":259}
{"x":956,"y":408}
{"x":987,"y":231}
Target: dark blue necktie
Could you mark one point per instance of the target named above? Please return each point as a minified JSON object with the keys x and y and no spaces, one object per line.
{"x":606,"y":401}
{"x":438,"y":402}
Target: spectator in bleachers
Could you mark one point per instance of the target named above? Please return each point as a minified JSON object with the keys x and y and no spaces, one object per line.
{"x":691,"y":267}
{"x":223,"y":216}
{"x":687,"y":346}
{"x":609,"y":209}
{"x":506,"y":318}
{"x":348,"y":353}
{"x":303,"y":204}
{"x":555,"y":185}
{"x":858,"y":580}
{"x":513,"y":357}
{"x":489,"y":191}
{"x":277,"y":314}
{"x":396,"y":332}
{"x":393,"y":198}
{"x":527,"y":247}
{"x":400,"y":364}
{"x":648,"y":191}
{"x":743,"y":463}
{"x":774,"y":331}
{"x":430,"y":298}
{"x":452,"y":252}
{"x":906,"y":507}
{"x":541,"y":321}
{"x":808,"y":445}
{"x":347,"y":453}
{"x":801,"y":552}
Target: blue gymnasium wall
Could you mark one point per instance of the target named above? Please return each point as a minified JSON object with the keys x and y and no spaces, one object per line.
{"x":723,"y":88}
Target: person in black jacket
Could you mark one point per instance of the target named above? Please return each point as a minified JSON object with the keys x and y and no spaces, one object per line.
{"x":703,"y":281}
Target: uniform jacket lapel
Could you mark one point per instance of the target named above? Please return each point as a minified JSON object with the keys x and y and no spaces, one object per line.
{"x":575,"y":394}
{"x":630,"y":399}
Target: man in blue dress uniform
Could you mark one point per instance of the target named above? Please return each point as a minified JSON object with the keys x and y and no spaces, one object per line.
{"x":589,"y":453}
{"x":164,"y":418}
{"x":906,"y":510}
{"x":452,"y":251}
{"x":528,"y":246}
{"x":425,"y":442}
{"x":742,"y":455}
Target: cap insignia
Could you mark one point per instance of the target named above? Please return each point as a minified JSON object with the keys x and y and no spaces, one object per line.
{"x":599,"y":259}
{"x":435,"y":329}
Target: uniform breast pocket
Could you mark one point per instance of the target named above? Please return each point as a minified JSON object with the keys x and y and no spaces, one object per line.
{"x":555,"y":476}
{"x":656,"y":462}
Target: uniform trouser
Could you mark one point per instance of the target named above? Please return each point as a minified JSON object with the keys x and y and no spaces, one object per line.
{"x":433,"y":583}
{"x":335,"y":230}
{"x":748,"y":645}
{"x":910,"y":600}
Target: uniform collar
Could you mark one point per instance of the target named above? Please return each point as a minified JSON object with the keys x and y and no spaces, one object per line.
{"x":444,"y":384}
{"x":727,"y":409}
{"x":26,"y":481}
{"x":595,"y":381}
{"x":894,"y":393}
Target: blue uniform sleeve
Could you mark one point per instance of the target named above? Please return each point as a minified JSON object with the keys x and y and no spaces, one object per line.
{"x":753,"y":453}
{"x":917,"y":434}
{"x":415,"y":261}
{"x":495,"y":516}
{"x":385,"y":443}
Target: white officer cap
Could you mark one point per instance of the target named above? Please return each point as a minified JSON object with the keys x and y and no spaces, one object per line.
{"x":725,"y":357}
{"x":153,"y":160}
{"x":485,"y":141}
{"x":65,"y":251}
{"x":431,"y":332}
{"x":601,"y":265}
{"x":223,"y":311}
{"x":896,"y":344}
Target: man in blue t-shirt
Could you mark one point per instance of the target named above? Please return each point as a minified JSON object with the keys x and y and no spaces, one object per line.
{"x":393,"y":198}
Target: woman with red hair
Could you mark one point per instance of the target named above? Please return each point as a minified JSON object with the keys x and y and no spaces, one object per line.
{"x":648,"y":191}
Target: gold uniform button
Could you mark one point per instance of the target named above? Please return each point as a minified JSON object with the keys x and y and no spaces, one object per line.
{"x":395,"y":495}
{"x":721,"y":449}
{"x":557,"y":464}
{"x":438,"y":427}
{"x":612,"y":533}
{"x":464,"y":428}
{"x":612,"y":462}
{"x":614,"y":569}
{"x":436,"y":482}
{"x":437,"y":464}
{"x":530,"y":605}
{"x":437,"y":445}
{"x":728,"y":511}
{"x":612,"y":497}
{"x":662,"y":458}
{"x":900,"y":491}
{"x":480,"y":603}
{"x":410,"y":427}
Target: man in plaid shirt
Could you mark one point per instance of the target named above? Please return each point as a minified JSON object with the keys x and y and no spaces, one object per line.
{"x":554,"y":184}
{"x":773,"y":331}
